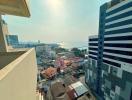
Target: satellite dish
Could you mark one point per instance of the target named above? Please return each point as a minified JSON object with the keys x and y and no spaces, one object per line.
{"x":14,"y":7}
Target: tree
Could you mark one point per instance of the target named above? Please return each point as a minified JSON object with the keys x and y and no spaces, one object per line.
{"x":59,"y":50}
{"x":76,"y":51}
{"x":79,"y":53}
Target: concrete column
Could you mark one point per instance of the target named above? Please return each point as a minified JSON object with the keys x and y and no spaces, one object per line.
{"x":3,"y":43}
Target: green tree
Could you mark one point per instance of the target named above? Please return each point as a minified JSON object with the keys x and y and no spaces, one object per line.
{"x":76,"y":51}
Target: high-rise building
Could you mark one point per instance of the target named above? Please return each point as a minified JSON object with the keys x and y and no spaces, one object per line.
{"x":12,"y":39}
{"x":91,"y":72}
{"x":3,"y":32}
{"x":110,"y":65}
{"x":18,"y":67}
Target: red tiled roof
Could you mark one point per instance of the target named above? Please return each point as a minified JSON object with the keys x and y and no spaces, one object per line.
{"x":49,"y":71}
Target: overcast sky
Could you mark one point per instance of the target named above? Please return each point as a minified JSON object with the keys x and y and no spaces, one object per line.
{"x":55,"y":21}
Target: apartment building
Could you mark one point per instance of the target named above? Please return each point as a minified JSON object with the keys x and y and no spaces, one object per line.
{"x":91,"y":74}
{"x":18,"y":67}
{"x":113,"y":57}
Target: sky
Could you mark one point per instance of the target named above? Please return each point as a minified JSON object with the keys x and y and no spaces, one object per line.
{"x":58,"y":21}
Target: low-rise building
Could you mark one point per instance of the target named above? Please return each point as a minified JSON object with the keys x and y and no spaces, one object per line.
{"x":50,"y":72}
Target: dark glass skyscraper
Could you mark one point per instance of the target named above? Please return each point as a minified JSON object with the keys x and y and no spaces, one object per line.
{"x":110,"y":53}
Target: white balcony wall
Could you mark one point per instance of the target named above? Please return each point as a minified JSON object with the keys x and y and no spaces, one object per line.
{"x":18,"y":78}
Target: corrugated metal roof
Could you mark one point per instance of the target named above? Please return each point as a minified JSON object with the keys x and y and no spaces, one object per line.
{"x":79,"y":88}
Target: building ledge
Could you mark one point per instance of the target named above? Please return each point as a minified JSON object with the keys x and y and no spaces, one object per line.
{"x":9,"y":60}
{"x":18,"y":75}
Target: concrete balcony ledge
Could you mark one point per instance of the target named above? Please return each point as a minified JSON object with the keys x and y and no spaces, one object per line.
{"x":9,"y":60}
{"x":18,"y":77}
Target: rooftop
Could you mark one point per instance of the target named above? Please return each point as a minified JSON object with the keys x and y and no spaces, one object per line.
{"x":113,"y":3}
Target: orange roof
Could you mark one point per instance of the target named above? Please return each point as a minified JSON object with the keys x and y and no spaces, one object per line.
{"x":67,"y":61}
{"x":49,"y":71}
